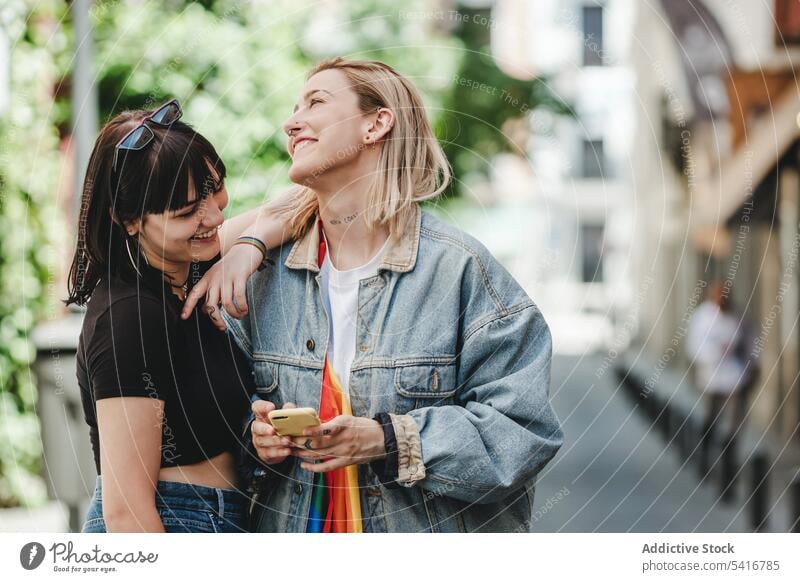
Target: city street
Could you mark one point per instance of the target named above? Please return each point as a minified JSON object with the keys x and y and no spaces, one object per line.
{"x":613,"y":474}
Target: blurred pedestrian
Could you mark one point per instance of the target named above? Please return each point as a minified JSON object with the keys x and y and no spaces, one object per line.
{"x":719,"y":343}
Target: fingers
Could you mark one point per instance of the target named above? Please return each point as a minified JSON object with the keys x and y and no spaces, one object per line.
{"x":327,"y":429}
{"x":226,"y":298}
{"x":267,"y":435}
{"x":240,"y":295}
{"x":307,"y":455}
{"x":270,"y":447}
{"x":197,"y":293}
{"x":326,"y":466}
{"x":312,"y":455}
{"x":215,"y":316}
{"x":341,"y":451}
{"x":262,"y":408}
{"x":272,"y":454}
{"x":212,"y":306}
{"x":307,"y":443}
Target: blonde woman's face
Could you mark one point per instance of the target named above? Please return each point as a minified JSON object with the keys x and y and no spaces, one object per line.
{"x":326,"y":130}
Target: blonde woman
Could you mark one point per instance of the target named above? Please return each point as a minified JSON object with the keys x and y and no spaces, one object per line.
{"x":427,"y":362}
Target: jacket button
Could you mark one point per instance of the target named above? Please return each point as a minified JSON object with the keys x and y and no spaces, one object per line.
{"x":310,"y":345}
{"x":363,"y":348}
{"x":298,"y":489}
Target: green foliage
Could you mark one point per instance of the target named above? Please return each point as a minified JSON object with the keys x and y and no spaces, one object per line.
{"x":482,"y":98}
{"x":237,"y":68}
{"x":29,"y":169}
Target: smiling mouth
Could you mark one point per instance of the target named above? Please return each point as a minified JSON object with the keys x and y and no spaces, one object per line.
{"x":204,"y":236}
{"x":302,"y":144}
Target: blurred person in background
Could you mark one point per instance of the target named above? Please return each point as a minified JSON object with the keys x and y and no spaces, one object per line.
{"x":720,"y":345}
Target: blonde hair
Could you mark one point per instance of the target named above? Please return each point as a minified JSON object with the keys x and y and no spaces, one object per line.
{"x":412,"y":165}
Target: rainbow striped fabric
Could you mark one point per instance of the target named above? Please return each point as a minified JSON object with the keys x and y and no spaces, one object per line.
{"x":335,"y":502}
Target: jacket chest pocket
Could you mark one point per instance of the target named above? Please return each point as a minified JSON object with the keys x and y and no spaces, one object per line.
{"x":266,"y":376}
{"x":424,"y":385}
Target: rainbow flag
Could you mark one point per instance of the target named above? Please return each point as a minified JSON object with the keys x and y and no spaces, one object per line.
{"x":335,"y":502}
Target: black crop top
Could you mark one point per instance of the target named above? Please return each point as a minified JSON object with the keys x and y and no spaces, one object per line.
{"x":133,"y":343}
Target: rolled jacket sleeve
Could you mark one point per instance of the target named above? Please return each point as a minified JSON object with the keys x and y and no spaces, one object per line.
{"x":501,"y":430}
{"x":410,"y":467}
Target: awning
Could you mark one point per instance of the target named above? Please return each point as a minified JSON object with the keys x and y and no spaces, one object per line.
{"x":715,"y":198}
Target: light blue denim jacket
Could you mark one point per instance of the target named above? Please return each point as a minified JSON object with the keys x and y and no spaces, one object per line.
{"x":450,"y":345}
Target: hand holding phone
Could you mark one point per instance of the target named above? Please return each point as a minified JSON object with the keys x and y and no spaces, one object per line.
{"x":270,"y":447}
{"x":291,"y":422}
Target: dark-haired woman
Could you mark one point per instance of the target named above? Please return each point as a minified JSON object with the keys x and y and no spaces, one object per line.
{"x":164,"y":398}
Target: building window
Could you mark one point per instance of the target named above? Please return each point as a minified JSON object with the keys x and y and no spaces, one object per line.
{"x":592,"y":252}
{"x":593,"y":159}
{"x":592,"y":36}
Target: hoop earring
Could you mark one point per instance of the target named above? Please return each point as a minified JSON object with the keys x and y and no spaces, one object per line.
{"x":130,"y":256}
{"x":144,"y":254}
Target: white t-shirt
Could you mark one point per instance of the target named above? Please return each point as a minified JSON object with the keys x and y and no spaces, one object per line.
{"x":711,"y":343}
{"x":340,"y":294}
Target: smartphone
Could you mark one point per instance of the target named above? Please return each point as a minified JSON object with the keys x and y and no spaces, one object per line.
{"x":293,"y":421}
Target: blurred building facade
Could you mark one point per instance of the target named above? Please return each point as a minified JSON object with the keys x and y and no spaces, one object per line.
{"x":581,"y":180}
{"x":5,"y":65}
{"x":716,"y":174}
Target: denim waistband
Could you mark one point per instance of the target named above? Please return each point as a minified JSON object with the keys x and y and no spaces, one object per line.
{"x":176,"y":495}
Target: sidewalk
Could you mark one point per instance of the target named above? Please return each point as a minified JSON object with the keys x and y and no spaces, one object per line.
{"x":613,"y":473}
{"x":763,"y":469}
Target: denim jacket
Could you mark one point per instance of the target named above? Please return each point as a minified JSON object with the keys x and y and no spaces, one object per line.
{"x":449,"y":345}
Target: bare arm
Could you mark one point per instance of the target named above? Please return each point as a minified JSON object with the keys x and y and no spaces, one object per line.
{"x":260,"y":222}
{"x":130,"y":458}
{"x":225,"y":282}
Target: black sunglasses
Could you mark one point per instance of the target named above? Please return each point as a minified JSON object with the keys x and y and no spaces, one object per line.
{"x":140,"y":136}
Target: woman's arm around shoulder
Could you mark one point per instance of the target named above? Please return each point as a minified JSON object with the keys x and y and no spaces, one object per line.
{"x":225,"y":283}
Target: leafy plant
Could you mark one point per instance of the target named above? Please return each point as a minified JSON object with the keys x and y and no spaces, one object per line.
{"x":29,"y":169}
{"x":482,"y":98}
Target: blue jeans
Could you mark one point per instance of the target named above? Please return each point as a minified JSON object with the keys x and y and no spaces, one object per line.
{"x":184,"y":508}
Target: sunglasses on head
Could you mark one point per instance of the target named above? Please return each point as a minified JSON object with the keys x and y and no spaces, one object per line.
{"x":140,"y":136}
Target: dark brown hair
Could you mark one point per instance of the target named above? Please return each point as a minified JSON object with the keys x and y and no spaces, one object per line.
{"x":162,"y":176}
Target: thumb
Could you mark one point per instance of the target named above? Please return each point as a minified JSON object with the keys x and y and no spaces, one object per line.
{"x":261,"y":408}
{"x":290,"y":405}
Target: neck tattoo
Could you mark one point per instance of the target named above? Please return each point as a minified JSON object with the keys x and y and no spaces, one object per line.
{"x":345,"y":220}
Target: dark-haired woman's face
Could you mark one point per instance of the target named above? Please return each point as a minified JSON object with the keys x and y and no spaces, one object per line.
{"x":187,"y":234}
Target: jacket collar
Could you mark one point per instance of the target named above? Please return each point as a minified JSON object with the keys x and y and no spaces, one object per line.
{"x":400,"y":255}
